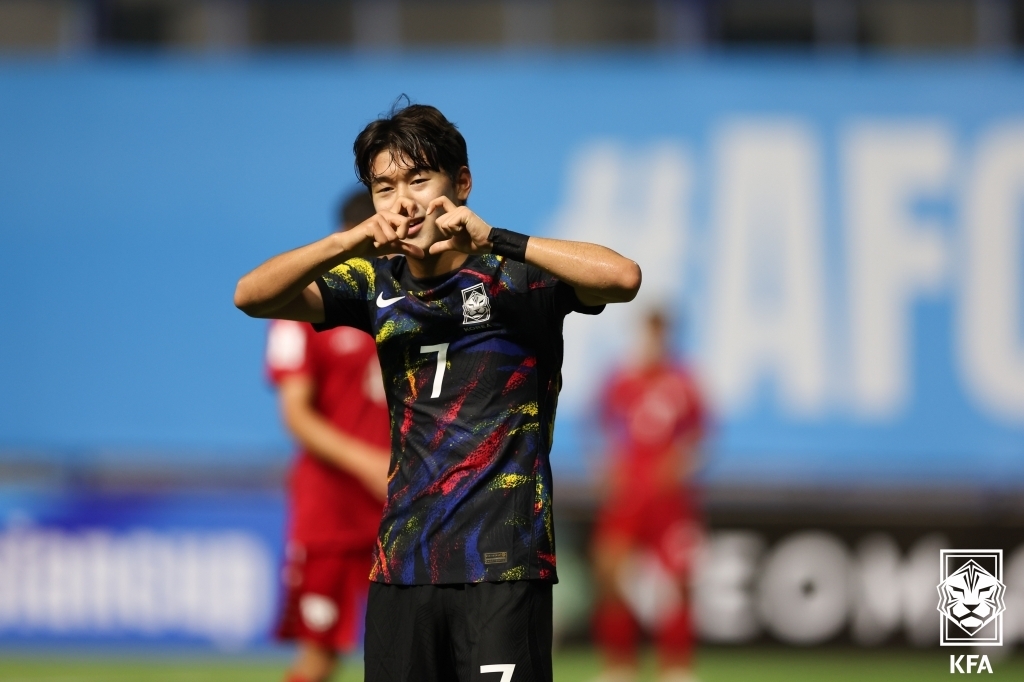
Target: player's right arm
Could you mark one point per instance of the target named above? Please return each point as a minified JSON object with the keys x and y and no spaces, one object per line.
{"x":284,"y":288}
{"x":367,"y":463}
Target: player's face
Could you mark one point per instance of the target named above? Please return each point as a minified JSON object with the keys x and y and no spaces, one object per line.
{"x":398,"y":186}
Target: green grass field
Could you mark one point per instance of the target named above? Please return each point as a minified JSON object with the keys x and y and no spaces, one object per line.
{"x":714,"y":665}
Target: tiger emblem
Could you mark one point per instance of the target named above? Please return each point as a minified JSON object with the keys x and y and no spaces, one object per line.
{"x":971,"y":597}
{"x":476,"y":307}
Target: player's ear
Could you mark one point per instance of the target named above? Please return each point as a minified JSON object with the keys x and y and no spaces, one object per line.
{"x":463,"y":184}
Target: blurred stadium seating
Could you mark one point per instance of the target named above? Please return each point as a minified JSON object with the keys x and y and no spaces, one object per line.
{"x":837,"y":222}
{"x":374,"y":24}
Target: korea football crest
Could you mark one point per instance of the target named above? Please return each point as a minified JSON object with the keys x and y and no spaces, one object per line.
{"x":476,"y":306}
{"x":971,"y":597}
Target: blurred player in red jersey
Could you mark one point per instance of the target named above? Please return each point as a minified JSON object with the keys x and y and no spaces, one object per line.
{"x":647,"y":528}
{"x":332,"y":400}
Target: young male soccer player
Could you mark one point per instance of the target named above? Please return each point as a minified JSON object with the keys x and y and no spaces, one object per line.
{"x":332,"y":400}
{"x":653,"y":413}
{"x":468,"y":325}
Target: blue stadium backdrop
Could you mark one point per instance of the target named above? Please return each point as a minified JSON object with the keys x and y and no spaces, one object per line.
{"x":840,"y":239}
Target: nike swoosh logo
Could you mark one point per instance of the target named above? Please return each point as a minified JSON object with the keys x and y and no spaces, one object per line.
{"x":385,"y":302}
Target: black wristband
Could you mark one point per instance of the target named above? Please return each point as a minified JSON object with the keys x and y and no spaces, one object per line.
{"x":508,"y":244}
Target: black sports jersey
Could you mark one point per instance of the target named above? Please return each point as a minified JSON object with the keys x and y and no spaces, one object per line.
{"x":471,"y":363}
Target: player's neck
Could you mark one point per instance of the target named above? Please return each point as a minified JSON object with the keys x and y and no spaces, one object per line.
{"x":434,"y":266}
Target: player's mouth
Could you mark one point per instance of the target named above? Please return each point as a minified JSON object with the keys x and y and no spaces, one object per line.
{"x":415,"y":225}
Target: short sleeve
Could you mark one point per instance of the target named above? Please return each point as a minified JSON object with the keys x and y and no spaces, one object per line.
{"x":287,"y":350}
{"x":566,"y":301}
{"x":554,"y":298}
{"x":346,"y":291}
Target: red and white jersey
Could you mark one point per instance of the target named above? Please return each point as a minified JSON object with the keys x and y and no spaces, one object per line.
{"x":330,"y":509}
{"x":646,"y":411}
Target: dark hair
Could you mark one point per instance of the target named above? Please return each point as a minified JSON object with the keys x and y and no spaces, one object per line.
{"x":416,"y":132}
{"x":356,"y":207}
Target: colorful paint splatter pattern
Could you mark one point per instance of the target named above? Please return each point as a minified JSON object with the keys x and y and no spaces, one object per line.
{"x":469,"y":489}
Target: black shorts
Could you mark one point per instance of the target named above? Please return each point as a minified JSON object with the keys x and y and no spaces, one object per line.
{"x":484,"y":632}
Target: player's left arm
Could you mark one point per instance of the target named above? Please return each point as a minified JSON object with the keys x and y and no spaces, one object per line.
{"x":367,"y":463}
{"x":597,"y":274}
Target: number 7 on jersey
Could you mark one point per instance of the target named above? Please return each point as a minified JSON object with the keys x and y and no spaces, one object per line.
{"x":442,"y":362}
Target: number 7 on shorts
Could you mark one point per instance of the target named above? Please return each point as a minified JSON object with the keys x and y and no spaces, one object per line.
{"x":506,"y":670}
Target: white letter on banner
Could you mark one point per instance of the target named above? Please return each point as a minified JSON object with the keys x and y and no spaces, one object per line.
{"x":723,"y":598}
{"x":636,"y":201}
{"x":805,"y":588}
{"x":990,"y":305}
{"x":893,"y":256}
{"x":767,"y":309}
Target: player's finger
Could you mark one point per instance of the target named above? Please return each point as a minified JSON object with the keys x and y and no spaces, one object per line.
{"x":392,"y":248}
{"x":441,"y":247}
{"x":445,"y":227}
{"x":441,"y":202}
{"x":393,"y":219}
{"x":453,"y":221}
{"x":376,"y":232}
{"x":402,"y":229}
{"x":386,"y":231}
{"x":400,"y":224}
{"x":411,"y":250}
{"x":368,"y":229}
{"x":435,"y":204}
{"x":406,"y":206}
